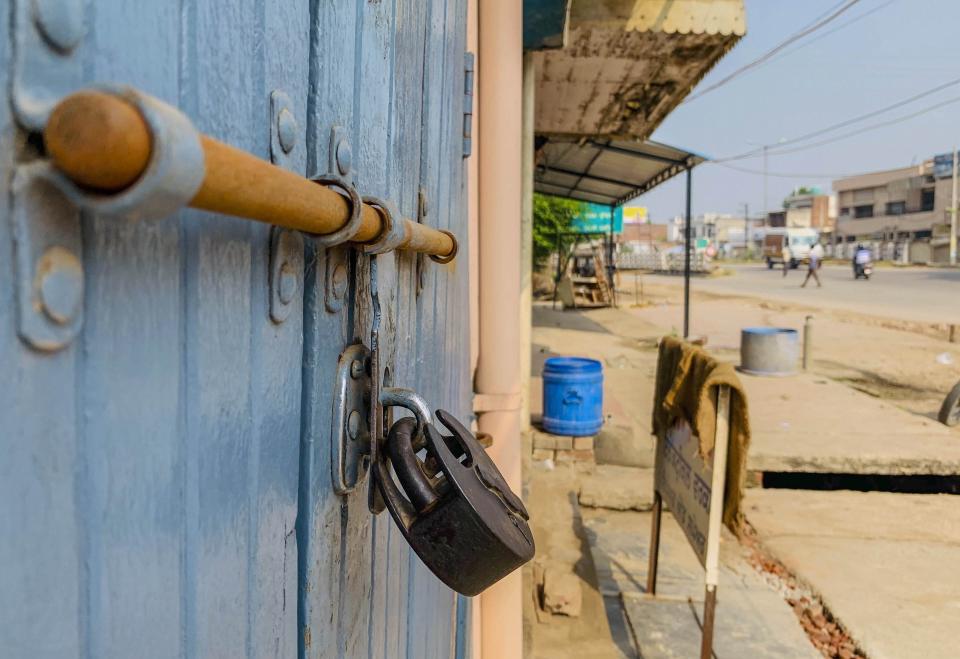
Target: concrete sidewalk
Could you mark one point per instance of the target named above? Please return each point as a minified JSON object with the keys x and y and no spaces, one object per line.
{"x":885,"y":564}
{"x":807,"y":423}
{"x":752,"y":619}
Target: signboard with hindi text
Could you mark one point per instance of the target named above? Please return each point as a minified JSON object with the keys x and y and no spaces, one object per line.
{"x":683,"y":478}
{"x":692,"y":486}
{"x":595,"y":218}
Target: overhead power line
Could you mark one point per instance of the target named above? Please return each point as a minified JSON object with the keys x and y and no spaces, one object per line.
{"x":855,"y":19}
{"x":882,"y":124}
{"x":843,"y":124}
{"x":760,"y":172}
{"x":809,"y":29}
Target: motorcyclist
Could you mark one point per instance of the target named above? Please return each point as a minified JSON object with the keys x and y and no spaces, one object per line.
{"x":861,"y":257}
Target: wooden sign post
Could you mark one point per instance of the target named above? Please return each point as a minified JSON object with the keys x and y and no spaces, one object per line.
{"x":693,"y":487}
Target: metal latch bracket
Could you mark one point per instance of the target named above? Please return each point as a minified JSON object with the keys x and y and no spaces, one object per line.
{"x":350,"y":429}
{"x":48,"y":253}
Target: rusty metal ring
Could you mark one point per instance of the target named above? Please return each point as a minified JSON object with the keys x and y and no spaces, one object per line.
{"x":345,"y":233}
{"x":453,"y":253}
{"x":392,"y":233}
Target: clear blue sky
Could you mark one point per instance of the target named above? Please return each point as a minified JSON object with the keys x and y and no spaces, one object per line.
{"x":903,"y":48}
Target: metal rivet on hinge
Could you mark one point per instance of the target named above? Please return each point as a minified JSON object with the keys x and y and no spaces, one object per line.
{"x":286,"y":267}
{"x":284,"y":130}
{"x":344,"y":157}
{"x":60,"y":284}
{"x":353,"y":424}
{"x":341,"y":155}
{"x":337,"y":278}
{"x":288,"y":283}
{"x":60,"y":22}
{"x":357,"y":369}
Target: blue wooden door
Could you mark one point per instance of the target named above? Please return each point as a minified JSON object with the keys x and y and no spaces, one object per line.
{"x":165,"y":483}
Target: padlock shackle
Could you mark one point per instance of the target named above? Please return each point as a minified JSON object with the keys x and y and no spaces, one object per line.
{"x":410,"y":400}
{"x":407,"y":467}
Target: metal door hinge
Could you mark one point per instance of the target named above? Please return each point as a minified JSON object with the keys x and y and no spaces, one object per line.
{"x":468,"y":69}
{"x":286,"y":272}
{"x":48,"y":253}
{"x":285,"y":133}
{"x":47,"y":35}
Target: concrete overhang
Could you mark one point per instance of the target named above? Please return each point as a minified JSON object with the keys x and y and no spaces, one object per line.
{"x":627,"y":64}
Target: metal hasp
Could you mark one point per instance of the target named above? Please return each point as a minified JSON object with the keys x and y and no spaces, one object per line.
{"x":455,"y":509}
{"x":104,"y":143}
{"x":48,"y":249}
{"x":349,"y":425}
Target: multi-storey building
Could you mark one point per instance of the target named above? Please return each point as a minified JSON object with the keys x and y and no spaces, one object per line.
{"x":902,"y":213}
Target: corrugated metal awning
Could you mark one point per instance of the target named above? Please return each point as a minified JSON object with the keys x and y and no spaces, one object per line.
{"x":606,"y":171}
{"x":627,"y":64}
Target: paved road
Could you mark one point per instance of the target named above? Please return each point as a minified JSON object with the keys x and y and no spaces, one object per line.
{"x":919,"y":294}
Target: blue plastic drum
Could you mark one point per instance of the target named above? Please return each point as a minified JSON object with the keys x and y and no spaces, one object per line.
{"x":572,"y":396}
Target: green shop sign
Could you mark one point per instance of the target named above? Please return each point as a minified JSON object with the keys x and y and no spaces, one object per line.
{"x":595,"y":218}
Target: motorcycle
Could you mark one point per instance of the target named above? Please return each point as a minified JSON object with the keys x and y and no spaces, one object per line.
{"x":862,"y":270}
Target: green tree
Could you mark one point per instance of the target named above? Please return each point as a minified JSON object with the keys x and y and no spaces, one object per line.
{"x":552,"y":216}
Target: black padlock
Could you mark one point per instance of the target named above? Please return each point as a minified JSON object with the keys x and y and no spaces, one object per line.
{"x":456,"y":510}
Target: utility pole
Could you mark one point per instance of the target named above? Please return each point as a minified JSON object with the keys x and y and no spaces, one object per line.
{"x":953,"y":212}
{"x":746,"y":230}
{"x":766,"y":208}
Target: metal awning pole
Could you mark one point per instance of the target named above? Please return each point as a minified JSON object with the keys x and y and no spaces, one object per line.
{"x":686,"y":260}
{"x":105,"y":144}
{"x":611,"y":267}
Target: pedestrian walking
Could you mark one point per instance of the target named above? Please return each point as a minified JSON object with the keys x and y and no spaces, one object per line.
{"x":785,"y":255}
{"x":816,"y":254}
